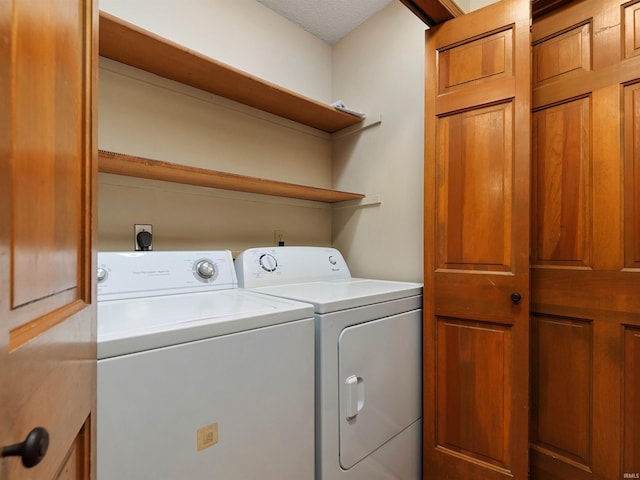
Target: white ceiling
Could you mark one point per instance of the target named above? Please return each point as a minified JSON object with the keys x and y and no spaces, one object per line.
{"x":329,"y":20}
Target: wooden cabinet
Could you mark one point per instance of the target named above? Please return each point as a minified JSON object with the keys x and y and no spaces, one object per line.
{"x":129,"y":44}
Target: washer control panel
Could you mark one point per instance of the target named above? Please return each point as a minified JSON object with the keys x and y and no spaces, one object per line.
{"x":142,"y":274}
{"x":257,"y":267}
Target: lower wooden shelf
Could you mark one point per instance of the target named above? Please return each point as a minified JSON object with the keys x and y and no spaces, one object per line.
{"x":132,"y":166}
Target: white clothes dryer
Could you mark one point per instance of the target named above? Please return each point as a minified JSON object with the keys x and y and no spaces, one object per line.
{"x":198,"y":379}
{"x":368,"y":360}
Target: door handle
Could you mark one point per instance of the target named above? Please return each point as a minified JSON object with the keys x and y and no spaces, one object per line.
{"x":32,"y":450}
{"x":516,"y":297}
{"x":354,"y":396}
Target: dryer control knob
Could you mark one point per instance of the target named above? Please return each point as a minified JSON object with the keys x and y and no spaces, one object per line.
{"x":205,"y":269}
{"x":268,"y":262}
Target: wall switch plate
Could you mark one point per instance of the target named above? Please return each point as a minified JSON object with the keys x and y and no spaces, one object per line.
{"x":142,"y":237}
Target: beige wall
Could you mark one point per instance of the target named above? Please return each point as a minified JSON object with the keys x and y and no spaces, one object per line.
{"x":153,"y":118}
{"x":380,"y":69}
{"x":377,"y":69}
{"x":476,"y":4}
{"x":242,"y":33}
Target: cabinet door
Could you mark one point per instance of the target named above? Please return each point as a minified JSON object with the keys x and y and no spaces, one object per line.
{"x":585,"y":361}
{"x":47,"y":320}
{"x":477,"y":198}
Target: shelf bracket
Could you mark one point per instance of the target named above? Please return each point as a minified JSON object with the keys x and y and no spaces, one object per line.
{"x":368,"y":201}
{"x":366,"y":123}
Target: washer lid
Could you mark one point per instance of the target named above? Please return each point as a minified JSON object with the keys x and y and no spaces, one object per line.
{"x":332,"y":296}
{"x":134,"y":325}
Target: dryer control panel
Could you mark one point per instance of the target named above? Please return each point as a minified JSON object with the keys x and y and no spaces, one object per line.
{"x":259,"y":267}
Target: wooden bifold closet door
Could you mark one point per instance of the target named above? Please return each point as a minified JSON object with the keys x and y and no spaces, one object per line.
{"x":585,"y":295}
{"x":546,"y":384}
{"x":477,"y":170}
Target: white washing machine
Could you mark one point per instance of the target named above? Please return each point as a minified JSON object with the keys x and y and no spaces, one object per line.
{"x":198,"y":379}
{"x":368,"y":360}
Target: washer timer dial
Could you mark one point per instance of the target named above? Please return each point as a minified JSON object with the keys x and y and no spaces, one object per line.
{"x":205,"y":269}
{"x":268,"y":262}
{"x":102,"y":275}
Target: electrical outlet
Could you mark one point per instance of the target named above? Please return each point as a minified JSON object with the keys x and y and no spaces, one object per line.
{"x":278,"y":237}
{"x":143,"y":237}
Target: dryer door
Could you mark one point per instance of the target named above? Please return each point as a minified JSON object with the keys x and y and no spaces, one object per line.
{"x":380,"y":365}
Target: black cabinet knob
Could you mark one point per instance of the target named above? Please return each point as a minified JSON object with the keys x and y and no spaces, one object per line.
{"x":516,"y":297}
{"x":32,"y":450}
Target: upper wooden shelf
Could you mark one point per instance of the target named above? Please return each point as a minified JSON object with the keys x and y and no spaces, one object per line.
{"x":132,"y":166}
{"x":129,"y":44}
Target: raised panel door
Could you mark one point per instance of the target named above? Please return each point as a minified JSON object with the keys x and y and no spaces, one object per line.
{"x":476,"y":324}
{"x":585,"y":275}
{"x":47,"y":174}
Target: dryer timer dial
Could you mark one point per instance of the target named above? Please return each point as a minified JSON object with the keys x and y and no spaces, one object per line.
{"x":268,"y":262}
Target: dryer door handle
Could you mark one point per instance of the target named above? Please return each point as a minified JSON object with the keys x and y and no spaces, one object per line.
{"x":354,"y":396}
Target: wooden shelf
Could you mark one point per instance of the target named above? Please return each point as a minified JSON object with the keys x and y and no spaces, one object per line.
{"x":129,"y":44}
{"x":121,"y":164}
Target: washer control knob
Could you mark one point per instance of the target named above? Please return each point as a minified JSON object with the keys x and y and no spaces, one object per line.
{"x":102,"y":275}
{"x":205,"y":269}
{"x":268,"y":262}
{"x":332,"y":260}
